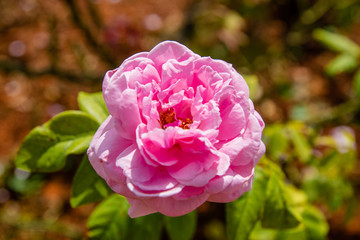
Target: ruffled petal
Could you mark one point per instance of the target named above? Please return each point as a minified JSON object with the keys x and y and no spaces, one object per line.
{"x":125,"y":108}
{"x":167,"y":50}
{"x":138,"y":208}
{"x":105,"y":146}
{"x":173,"y":207}
{"x":241,"y":181}
{"x":134,"y":166}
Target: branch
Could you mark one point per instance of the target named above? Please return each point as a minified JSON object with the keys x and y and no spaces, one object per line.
{"x":9,"y":66}
{"x":103,"y":52}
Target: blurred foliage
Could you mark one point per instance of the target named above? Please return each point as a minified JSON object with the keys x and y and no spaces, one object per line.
{"x":300,"y":59}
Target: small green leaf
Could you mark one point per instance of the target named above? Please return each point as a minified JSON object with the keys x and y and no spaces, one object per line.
{"x":25,"y":186}
{"x":94,"y":104}
{"x":315,"y":223}
{"x":302,"y":147}
{"x":278,"y":142}
{"x":242,"y":214}
{"x":260,"y":233}
{"x":87,"y":185}
{"x":337,"y":42}
{"x":270,"y":168}
{"x":109,"y":220}
{"x":181,"y":228}
{"x":53,"y":159}
{"x":335,"y":191}
{"x":148,"y":227}
{"x":72,"y":124}
{"x":79,"y":145}
{"x":314,"y":227}
{"x":45,"y":148}
{"x":35,"y":144}
{"x":277,"y":210}
{"x":297,"y":233}
{"x":340,"y":64}
{"x":356,"y":84}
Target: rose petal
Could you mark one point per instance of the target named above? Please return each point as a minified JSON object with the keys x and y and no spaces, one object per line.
{"x":102,"y":148}
{"x":134,"y":166}
{"x":161,"y":181}
{"x":166,"y":50}
{"x":161,"y":193}
{"x":241,"y":182}
{"x":208,"y":115}
{"x":138,"y":208}
{"x":125,"y":108}
{"x":218,"y":184}
{"x":173,"y":71}
{"x":173,"y":207}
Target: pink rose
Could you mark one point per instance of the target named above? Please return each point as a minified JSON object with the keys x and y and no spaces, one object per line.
{"x":181,"y":131}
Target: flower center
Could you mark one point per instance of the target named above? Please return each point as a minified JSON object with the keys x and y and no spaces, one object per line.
{"x":168,"y":119}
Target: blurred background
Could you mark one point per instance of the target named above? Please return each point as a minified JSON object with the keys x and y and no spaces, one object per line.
{"x":299,"y":57}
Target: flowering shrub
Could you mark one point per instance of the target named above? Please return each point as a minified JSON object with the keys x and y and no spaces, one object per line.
{"x":181,"y":131}
{"x":176,"y":130}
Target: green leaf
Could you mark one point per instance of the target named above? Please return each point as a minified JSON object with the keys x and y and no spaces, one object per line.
{"x":314,"y":227}
{"x":242,"y":214}
{"x":79,"y":145}
{"x":340,"y":64}
{"x":356,"y":84}
{"x":109,"y":220}
{"x":337,"y":42}
{"x":39,"y":142}
{"x":72,"y":124}
{"x":277,"y":210}
{"x":270,"y":168}
{"x":87,"y":185}
{"x":315,"y":223}
{"x":25,"y":186}
{"x":260,"y":233}
{"x":278,"y":142}
{"x":181,"y":228}
{"x":302,"y":147}
{"x":148,"y":227}
{"x":335,"y":191}
{"x":94,"y":104}
{"x":54,"y":158}
{"x":45,"y":148}
{"x":297,"y":233}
